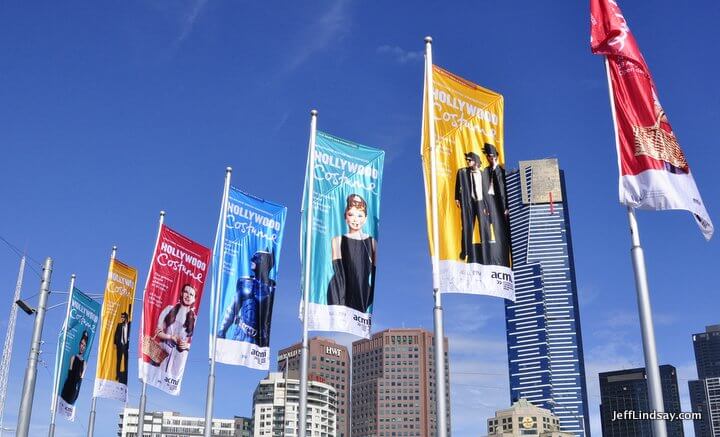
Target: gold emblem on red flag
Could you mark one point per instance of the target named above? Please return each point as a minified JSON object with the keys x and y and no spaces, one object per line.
{"x":655,"y":142}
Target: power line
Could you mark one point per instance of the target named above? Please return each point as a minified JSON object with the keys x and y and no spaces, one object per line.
{"x":21,"y":253}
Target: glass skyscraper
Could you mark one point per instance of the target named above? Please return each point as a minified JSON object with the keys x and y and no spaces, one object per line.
{"x":626,"y":390}
{"x":705,"y":391}
{"x":544,"y":342}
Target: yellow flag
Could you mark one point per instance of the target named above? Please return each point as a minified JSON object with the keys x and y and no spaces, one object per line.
{"x":114,"y":344}
{"x":473,"y":218}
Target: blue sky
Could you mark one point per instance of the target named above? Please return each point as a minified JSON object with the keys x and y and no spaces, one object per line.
{"x":111,"y":112}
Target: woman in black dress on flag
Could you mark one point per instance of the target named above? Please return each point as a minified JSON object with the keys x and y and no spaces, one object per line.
{"x":353,"y":255}
{"x":76,"y":372}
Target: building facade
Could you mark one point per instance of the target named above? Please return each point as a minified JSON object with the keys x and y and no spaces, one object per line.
{"x":525,"y":419}
{"x":393,"y":384}
{"x":329,"y":363}
{"x":544,"y":339}
{"x":173,"y":424}
{"x":276,"y":403}
{"x":703,"y":391}
{"x":626,"y":390}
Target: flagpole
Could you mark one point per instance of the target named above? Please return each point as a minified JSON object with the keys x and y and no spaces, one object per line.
{"x":93,"y":406}
{"x":440,"y":389}
{"x":216,"y":300}
{"x":143,"y":393}
{"x":305,"y":351}
{"x":652,"y":369}
{"x":59,"y":360}
{"x":28,"y":390}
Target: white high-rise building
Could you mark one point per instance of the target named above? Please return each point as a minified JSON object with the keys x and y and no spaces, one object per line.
{"x":276,"y":404}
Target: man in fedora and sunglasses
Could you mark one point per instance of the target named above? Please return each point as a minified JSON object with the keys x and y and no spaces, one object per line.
{"x":469,"y":198}
{"x":496,"y":241}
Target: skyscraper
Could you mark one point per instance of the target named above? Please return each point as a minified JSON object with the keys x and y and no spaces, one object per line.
{"x":544,"y":341}
{"x":705,"y":391}
{"x":626,"y":390}
{"x":393,"y":384}
{"x":329,"y":363}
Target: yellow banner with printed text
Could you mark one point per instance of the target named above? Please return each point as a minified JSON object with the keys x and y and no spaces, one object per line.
{"x":473,"y":217}
{"x":114,"y":344}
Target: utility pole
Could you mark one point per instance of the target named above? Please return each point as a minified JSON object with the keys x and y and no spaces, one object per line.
{"x":28,"y":391}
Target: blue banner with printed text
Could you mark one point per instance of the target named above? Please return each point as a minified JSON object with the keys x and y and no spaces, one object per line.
{"x":253,"y":230}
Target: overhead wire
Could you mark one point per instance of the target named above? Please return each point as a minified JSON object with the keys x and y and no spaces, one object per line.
{"x":21,"y":253}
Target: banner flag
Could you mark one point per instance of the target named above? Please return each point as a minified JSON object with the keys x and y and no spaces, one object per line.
{"x":76,"y":342}
{"x":473,"y":222}
{"x":347,"y":178}
{"x":170,"y":307}
{"x":654,"y":173}
{"x":114,"y":341}
{"x":253,"y":237}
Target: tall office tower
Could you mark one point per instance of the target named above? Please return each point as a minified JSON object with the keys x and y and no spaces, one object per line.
{"x":626,"y":390}
{"x":544,"y":341}
{"x":705,"y":391}
{"x":276,"y":402}
{"x":393,"y":384}
{"x":329,"y":363}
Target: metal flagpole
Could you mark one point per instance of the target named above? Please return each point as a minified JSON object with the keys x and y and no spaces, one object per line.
{"x":23,"y":426}
{"x":59,"y":360}
{"x":143,"y":393}
{"x":215,"y":296}
{"x":643,"y":297}
{"x":440,"y":390}
{"x":93,"y":406}
{"x":646,"y":325}
{"x":302,"y":411}
{"x":9,"y":341}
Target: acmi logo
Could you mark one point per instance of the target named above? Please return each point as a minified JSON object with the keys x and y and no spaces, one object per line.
{"x":501,"y":276}
{"x":361,"y":320}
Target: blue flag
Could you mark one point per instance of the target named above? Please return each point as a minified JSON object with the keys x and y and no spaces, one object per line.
{"x":253,"y":230}
{"x":346,"y":180}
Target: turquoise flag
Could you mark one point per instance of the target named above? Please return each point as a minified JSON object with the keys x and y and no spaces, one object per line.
{"x":346,"y":179}
{"x":76,"y":340}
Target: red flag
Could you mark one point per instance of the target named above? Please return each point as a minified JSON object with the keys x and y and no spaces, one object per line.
{"x":654,"y":173}
{"x":171,"y":304}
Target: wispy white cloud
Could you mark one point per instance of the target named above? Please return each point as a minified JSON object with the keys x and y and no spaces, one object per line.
{"x":328,"y":28}
{"x":400,"y":55}
{"x":588,"y":295}
{"x":478,"y":382}
{"x":189,"y":21}
{"x":624,"y":319}
{"x":469,"y":318}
